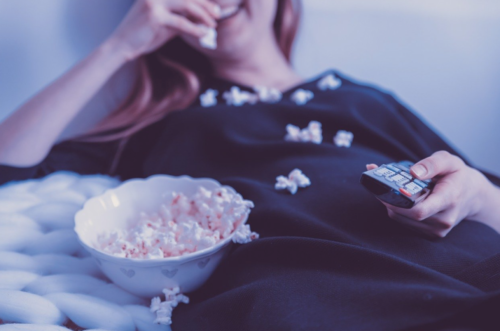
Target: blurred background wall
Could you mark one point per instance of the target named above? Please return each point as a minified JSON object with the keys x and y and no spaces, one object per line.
{"x":441,"y":57}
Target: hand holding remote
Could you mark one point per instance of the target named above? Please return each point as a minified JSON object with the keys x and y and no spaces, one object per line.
{"x":460,"y":192}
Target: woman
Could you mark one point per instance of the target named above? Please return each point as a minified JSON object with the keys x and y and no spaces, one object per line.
{"x":330,"y":257}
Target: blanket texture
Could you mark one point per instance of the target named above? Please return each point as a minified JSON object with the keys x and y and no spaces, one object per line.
{"x":48,"y":282}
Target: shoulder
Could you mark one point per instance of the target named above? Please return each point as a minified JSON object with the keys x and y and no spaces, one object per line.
{"x":362,"y":95}
{"x":364,"y":90}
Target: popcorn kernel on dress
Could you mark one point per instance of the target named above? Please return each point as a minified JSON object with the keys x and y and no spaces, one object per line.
{"x":291,"y":183}
{"x":268,"y":94}
{"x":329,"y":82}
{"x":236,"y":97}
{"x":312,"y":133}
{"x":209,"y":98}
{"x":343,"y":138}
{"x":301,"y":96}
{"x":182,"y":226}
{"x":163,"y":310}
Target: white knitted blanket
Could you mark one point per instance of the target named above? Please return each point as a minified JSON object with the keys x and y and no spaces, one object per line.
{"x":47,"y":281}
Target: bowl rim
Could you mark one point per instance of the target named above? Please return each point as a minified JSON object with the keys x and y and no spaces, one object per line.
{"x":178,"y":259}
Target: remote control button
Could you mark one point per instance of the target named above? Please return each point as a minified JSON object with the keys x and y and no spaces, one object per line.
{"x":405,"y":192}
{"x":407,"y":175}
{"x":420,"y":183}
{"x":396,"y":170}
{"x":383,"y":172}
{"x":413,"y":188}
{"x":398,"y":179}
{"x":402,"y":167}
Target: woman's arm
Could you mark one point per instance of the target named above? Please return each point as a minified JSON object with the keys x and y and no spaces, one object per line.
{"x":29,"y":133}
{"x":489,"y":213}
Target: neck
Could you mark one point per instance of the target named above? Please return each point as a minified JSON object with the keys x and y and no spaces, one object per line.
{"x":264,"y":66}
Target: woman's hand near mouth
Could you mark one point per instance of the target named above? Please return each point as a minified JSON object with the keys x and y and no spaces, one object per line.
{"x":27,"y":136}
{"x":152,"y":23}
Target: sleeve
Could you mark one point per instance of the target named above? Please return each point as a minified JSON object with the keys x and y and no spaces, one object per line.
{"x":122,"y":158}
{"x":79,"y":157}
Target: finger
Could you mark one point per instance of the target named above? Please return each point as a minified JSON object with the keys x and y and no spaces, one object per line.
{"x":211,"y":7}
{"x":439,"y":200}
{"x":442,"y":197}
{"x":438,"y":164}
{"x":445,"y":220}
{"x":371,"y":166}
{"x":183,"y":25}
{"x":199,"y":13}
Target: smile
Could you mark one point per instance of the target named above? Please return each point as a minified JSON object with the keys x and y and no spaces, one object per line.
{"x":229,"y":11}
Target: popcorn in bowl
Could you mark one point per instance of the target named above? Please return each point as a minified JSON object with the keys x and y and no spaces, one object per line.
{"x":182,"y":225}
{"x":145,"y":248}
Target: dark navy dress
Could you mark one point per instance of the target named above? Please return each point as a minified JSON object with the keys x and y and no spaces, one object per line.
{"x":329,"y":257}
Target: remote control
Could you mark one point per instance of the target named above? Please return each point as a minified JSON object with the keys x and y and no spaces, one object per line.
{"x":393,"y":184}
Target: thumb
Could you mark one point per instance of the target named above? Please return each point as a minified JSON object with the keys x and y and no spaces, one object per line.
{"x":438,"y":164}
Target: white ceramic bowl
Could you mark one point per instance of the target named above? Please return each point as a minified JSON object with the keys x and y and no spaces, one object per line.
{"x":119,"y":207}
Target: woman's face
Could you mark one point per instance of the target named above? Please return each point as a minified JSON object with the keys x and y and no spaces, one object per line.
{"x":238,"y":34}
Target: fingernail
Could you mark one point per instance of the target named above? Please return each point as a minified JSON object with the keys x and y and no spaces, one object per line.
{"x":419,"y":170}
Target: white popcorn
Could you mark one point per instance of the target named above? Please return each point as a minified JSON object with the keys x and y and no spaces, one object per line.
{"x":343,"y":138}
{"x":298,"y":177}
{"x":283,"y":183}
{"x":301,"y":96}
{"x":312,"y":133}
{"x":163,"y":316}
{"x":236,"y":97}
{"x":268,"y":94}
{"x":329,"y":82}
{"x":295,"y":180}
{"x":182,"y":226}
{"x":209,"y":98}
{"x":243,"y":235}
{"x":155,"y":304}
{"x":210,"y":39}
{"x":164,"y":309}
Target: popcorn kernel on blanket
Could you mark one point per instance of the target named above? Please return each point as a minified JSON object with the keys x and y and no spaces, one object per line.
{"x":295,"y":180}
{"x":182,"y":226}
{"x":163,"y":310}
